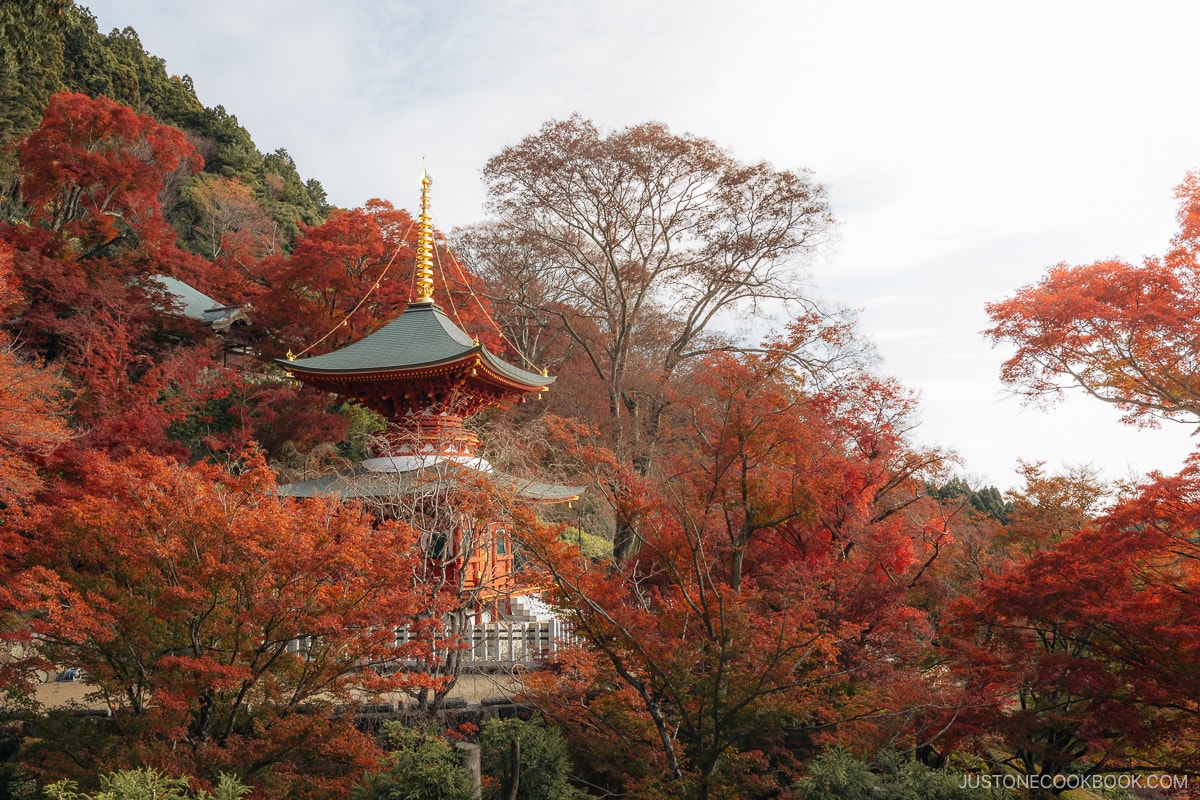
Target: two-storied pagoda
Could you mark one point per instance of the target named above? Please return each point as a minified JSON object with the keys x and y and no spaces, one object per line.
{"x":426,"y":376}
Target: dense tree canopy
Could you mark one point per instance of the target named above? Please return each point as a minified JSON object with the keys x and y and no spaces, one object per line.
{"x":32,"y":413}
{"x":92,"y":172}
{"x":214,"y":618}
{"x":766,"y":488}
{"x":761,"y":567}
{"x":1071,"y":646}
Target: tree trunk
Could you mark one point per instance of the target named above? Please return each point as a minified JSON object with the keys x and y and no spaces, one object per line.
{"x":625,"y":541}
{"x":515,"y":753}
{"x":471,"y":763}
{"x":736,"y":558}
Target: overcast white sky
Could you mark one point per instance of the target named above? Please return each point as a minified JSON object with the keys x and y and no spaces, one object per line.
{"x":966,"y":146}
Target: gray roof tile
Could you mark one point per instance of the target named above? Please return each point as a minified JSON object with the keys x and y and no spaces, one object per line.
{"x":422,"y":336}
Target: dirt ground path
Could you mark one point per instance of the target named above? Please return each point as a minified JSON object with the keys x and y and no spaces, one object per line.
{"x":472,"y":687}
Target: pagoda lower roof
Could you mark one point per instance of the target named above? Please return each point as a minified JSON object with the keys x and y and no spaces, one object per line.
{"x":361,"y":483}
{"x":420,"y":338}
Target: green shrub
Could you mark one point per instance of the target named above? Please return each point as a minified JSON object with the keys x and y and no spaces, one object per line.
{"x":839,"y":775}
{"x":421,"y":766}
{"x":594,"y":547}
{"x":542,"y":763}
{"x":147,"y":784}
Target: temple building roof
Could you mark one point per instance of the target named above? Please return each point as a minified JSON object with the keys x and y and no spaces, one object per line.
{"x":421,"y":371}
{"x":361,"y":483}
{"x":422,"y":337}
{"x":194,"y":304}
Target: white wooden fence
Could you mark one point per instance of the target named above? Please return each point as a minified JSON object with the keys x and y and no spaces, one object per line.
{"x":509,"y":643}
{"x":489,"y":645}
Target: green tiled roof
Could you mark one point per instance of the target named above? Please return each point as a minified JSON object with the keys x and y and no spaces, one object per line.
{"x":195,"y":304}
{"x":422,"y":336}
{"x":362,"y":484}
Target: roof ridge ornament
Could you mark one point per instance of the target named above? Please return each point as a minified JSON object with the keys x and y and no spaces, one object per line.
{"x":424,"y":245}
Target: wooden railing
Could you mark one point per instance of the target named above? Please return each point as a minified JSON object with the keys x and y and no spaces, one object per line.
{"x":507,"y":644}
{"x":490,"y":644}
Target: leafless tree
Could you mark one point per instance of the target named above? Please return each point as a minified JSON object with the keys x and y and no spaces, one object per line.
{"x":635,"y":242}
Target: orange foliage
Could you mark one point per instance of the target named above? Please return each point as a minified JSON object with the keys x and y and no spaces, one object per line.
{"x":92,"y":171}
{"x":1083,"y":647}
{"x":768,"y":596}
{"x":31,"y":408}
{"x":1126,"y":334}
{"x":220,"y":622}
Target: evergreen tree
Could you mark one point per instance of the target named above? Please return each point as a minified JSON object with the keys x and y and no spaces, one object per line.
{"x":528,"y":755}
{"x":420,"y":766}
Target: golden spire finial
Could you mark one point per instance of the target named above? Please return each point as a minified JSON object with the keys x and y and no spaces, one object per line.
{"x":424,"y":246}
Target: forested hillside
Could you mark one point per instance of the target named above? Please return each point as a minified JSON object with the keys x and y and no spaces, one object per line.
{"x":771,"y":590}
{"x":52,"y":46}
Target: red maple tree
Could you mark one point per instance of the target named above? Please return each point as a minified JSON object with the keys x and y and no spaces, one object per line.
{"x":1124,"y":333}
{"x":32,"y":412}
{"x":1077,"y":651}
{"x":92,"y":171}
{"x":769,"y":592}
{"x":220,"y":622}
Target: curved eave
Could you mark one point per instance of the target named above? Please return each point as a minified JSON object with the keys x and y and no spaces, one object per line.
{"x":376,"y":372}
{"x":506,"y":373}
{"x":539,"y":491}
{"x":484,"y":368}
{"x":383,"y":372}
{"x":423,"y":337}
{"x":360,"y":484}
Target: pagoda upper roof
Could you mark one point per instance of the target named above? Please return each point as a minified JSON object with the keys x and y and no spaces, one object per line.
{"x":423,"y":336}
